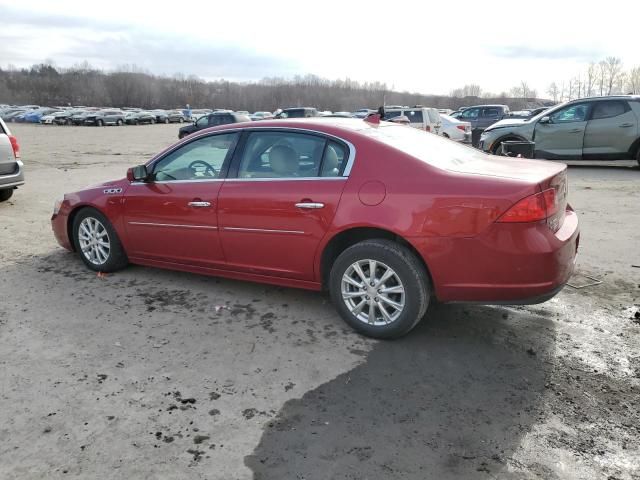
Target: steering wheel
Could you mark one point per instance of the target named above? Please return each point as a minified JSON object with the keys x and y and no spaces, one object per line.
{"x":208,"y":169}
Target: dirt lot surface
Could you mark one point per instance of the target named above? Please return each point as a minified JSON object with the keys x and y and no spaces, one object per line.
{"x":157,"y":374}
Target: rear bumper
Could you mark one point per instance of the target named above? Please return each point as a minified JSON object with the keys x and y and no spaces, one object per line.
{"x":13,"y":179}
{"x":507,"y":264}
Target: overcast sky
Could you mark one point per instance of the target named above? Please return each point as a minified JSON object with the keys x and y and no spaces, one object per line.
{"x":421,"y":46}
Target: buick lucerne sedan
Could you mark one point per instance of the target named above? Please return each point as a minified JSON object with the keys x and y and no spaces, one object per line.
{"x":386,"y":217}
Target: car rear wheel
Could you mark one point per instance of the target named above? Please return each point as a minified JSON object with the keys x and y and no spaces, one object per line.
{"x":6,"y":194}
{"x":380,"y":288}
{"x":97,"y":242}
{"x":445,"y":135}
{"x":166,"y":120}
{"x":99,"y":123}
{"x":152,"y":121}
{"x":181,"y":120}
{"x":119,"y":123}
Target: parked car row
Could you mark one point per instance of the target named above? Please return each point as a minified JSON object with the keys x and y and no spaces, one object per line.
{"x":90,"y":115}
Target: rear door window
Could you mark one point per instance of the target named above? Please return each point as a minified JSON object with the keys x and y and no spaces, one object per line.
{"x":491,"y":112}
{"x":283,"y":155}
{"x":414,"y":116}
{"x":390,"y":115}
{"x":609,"y":109}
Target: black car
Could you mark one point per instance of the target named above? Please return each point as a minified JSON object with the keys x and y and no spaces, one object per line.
{"x":138,"y":118}
{"x":212,"y":120}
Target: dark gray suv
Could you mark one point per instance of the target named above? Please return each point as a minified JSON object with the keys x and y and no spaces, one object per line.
{"x":482,"y":116}
{"x":105,"y":117}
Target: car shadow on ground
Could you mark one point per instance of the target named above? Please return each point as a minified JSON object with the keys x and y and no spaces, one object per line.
{"x":450,"y":400}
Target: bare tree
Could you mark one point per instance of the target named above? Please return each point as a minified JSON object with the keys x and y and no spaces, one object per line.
{"x":591,"y":79}
{"x":613,"y":70}
{"x":633,"y":81}
{"x":602,"y":76}
{"x":553,"y":91}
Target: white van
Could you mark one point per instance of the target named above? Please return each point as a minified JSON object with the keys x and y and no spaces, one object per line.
{"x":424,"y":118}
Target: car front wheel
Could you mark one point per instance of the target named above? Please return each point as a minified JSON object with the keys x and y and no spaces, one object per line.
{"x":380,"y":288}
{"x":97,"y":242}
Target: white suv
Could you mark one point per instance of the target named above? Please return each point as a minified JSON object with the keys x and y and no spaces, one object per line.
{"x":427,"y":119}
{"x":11,"y":174}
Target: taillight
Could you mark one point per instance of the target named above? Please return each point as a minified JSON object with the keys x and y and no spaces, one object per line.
{"x":428,"y":128}
{"x":532,"y":208}
{"x":15,"y":146}
{"x":461,"y":127}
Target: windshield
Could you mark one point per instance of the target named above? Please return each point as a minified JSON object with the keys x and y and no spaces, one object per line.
{"x":427,"y":147}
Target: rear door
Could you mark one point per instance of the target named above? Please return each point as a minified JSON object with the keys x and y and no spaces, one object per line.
{"x":282,"y":201}
{"x":173,"y":218}
{"x":418,"y":119}
{"x":563,"y":136}
{"x":611,"y":130}
{"x":489,"y":116}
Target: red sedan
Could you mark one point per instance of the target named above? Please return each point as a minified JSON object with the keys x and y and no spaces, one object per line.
{"x":386,"y":217}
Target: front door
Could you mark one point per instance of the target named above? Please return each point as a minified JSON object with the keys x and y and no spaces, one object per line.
{"x":281,"y":203}
{"x":611,"y":131}
{"x":173,"y":216}
{"x":562,"y":137}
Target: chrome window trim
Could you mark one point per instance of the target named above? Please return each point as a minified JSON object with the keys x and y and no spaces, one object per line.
{"x":207,"y":180}
{"x":282,"y":179}
{"x":151,"y":224}
{"x":194,"y":136}
{"x":262,"y":230}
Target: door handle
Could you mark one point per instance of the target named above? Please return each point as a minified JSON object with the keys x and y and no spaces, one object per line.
{"x":575,"y":130}
{"x":625,"y":125}
{"x":198,"y":204}
{"x":310,"y":205}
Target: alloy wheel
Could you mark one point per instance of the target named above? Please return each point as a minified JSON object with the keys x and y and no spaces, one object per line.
{"x":373,"y":292}
{"x":94,"y":241}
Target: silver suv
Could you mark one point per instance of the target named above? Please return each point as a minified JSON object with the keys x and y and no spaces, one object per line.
{"x":599,"y":128}
{"x":11,"y":172}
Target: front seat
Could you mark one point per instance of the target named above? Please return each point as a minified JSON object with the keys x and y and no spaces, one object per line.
{"x":283,"y":161}
{"x":331,"y":164}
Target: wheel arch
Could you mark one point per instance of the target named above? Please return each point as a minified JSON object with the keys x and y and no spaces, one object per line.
{"x":348,"y":237}
{"x":506,"y":137}
{"x":72,"y":216}
{"x":634,"y":150}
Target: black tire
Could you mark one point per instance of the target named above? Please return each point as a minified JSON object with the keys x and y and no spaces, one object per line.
{"x":119,"y":123}
{"x":116,"y":258}
{"x":152,"y":121}
{"x":638,"y":156}
{"x":445,"y":135}
{"x":166,"y":120}
{"x":6,"y":194}
{"x":181,"y":120}
{"x":99,"y":123}
{"x":411,"y":273}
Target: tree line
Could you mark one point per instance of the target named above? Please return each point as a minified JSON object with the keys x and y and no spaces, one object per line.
{"x":130,"y":86}
{"x":606,"y":77}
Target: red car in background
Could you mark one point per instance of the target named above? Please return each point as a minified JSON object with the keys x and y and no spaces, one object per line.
{"x":387,"y":218}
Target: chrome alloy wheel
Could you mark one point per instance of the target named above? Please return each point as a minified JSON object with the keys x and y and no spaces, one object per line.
{"x":94,"y":241}
{"x":373,"y":292}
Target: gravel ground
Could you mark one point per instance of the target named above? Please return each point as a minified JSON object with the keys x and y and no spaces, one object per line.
{"x":157,"y":374}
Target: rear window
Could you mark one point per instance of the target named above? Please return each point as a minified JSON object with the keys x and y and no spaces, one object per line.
{"x":414,"y":116}
{"x":295,"y":113}
{"x":424,"y":146}
{"x":220,"y":119}
{"x":388,"y":115}
{"x":491,"y":112}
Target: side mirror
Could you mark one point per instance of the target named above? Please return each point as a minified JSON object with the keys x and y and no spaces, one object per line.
{"x":138,"y":174}
{"x":545,"y":119}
